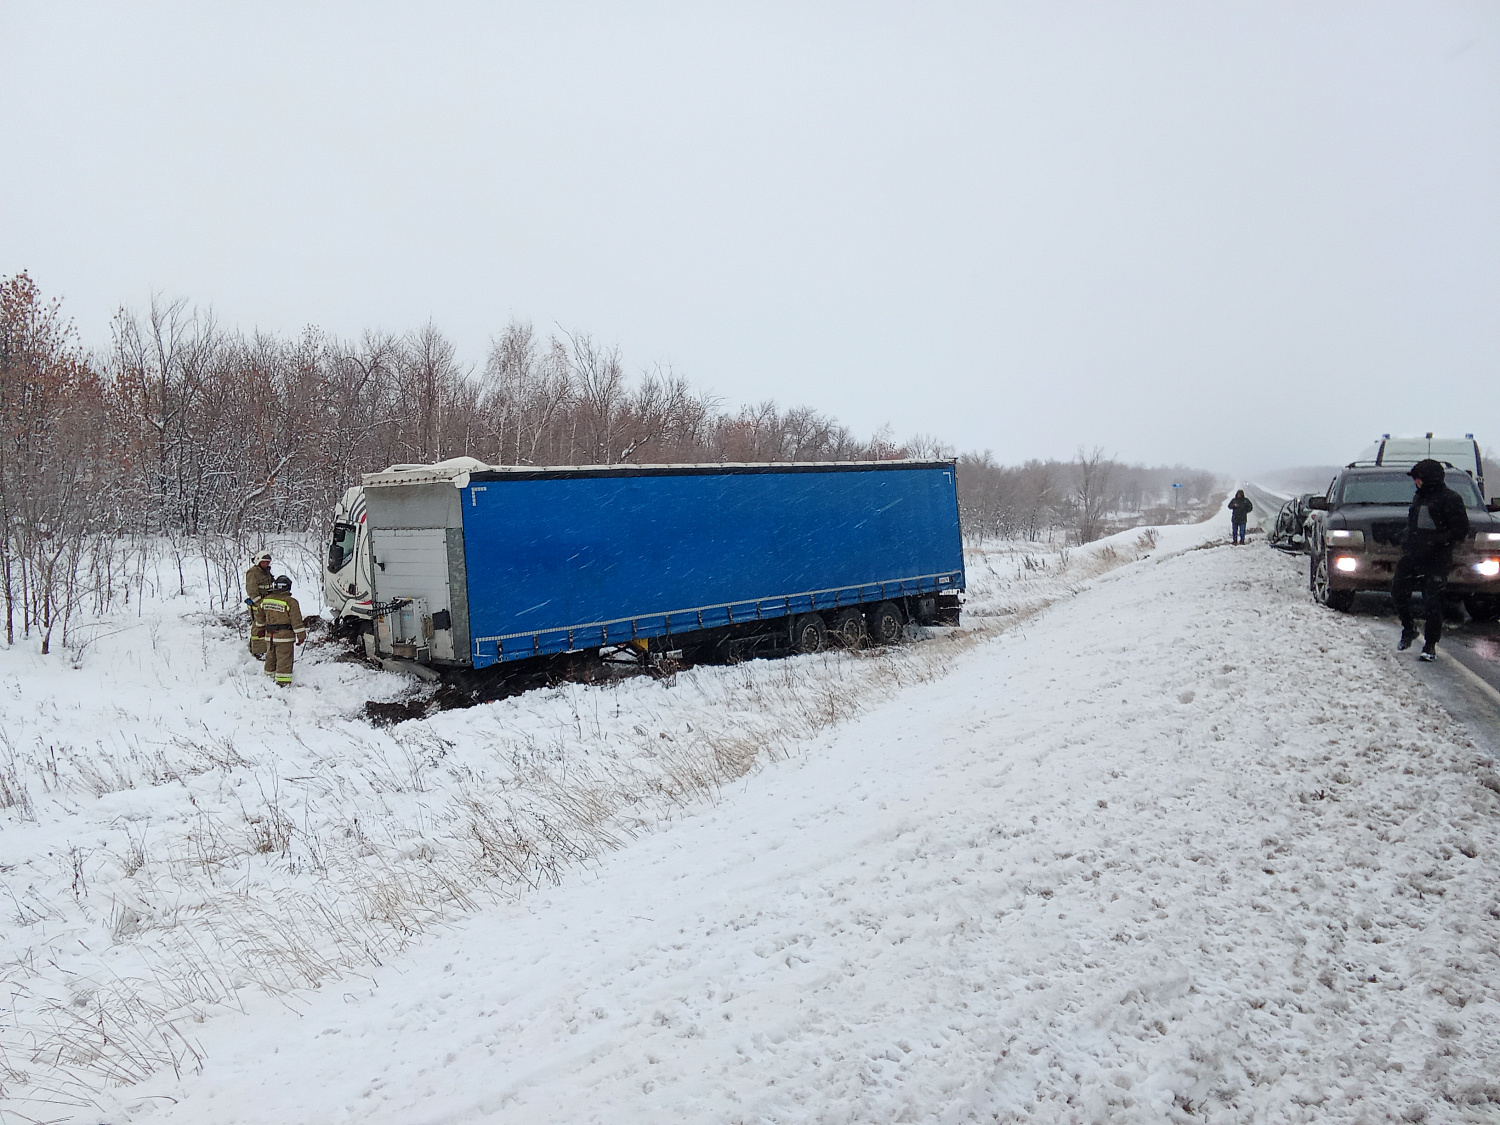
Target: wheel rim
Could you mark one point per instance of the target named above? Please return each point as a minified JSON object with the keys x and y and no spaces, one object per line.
{"x":850,"y":632}
{"x":1320,"y":578}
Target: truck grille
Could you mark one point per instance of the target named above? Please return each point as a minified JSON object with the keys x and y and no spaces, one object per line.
{"x":1389,"y":533}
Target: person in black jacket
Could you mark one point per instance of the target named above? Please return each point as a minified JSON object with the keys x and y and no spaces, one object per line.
{"x":1239,"y":515}
{"x":1435,"y":524}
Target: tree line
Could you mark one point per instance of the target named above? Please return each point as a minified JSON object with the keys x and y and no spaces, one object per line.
{"x":186,"y":433}
{"x":1077,"y":501}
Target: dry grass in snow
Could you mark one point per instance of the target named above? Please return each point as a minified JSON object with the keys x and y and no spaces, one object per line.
{"x":173,"y":830}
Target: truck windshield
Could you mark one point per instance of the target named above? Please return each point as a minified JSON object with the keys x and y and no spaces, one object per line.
{"x":341,"y":549}
{"x":1398,"y":489}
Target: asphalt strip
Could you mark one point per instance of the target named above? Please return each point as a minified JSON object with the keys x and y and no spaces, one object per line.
{"x":1463,"y":692}
{"x":1478,"y":681}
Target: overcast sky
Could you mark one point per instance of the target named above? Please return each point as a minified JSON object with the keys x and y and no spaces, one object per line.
{"x":1237,"y":236}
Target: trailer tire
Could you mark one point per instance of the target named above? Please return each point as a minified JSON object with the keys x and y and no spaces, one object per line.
{"x":809,"y":634}
{"x":886,"y":624}
{"x":848,"y":629}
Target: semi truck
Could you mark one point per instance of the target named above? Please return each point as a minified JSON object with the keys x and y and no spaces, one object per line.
{"x":465,"y":565}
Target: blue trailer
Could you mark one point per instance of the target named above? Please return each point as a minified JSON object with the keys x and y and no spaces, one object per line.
{"x":472,"y":565}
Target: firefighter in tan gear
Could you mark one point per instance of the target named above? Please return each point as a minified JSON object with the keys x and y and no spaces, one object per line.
{"x":284,"y":629}
{"x":258,"y":583}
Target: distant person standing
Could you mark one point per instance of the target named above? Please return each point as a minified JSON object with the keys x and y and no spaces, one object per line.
{"x":1436,"y":522}
{"x":1239,"y":514}
{"x":258,"y":583}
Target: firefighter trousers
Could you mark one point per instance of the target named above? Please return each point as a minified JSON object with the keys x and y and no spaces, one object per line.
{"x":258,"y":642}
{"x":280,"y":655}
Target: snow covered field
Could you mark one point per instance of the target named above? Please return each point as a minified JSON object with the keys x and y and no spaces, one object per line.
{"x":1157,"y":839}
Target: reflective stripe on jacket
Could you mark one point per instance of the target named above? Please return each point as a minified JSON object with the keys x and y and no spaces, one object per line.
{"x":281,"y":611}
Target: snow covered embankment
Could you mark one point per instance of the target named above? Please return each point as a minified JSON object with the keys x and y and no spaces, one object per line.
{"x":1187,"y":849}
{"x":174,"y":830}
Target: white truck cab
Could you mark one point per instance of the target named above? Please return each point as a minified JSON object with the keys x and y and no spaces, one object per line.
{"x":347,"y":583}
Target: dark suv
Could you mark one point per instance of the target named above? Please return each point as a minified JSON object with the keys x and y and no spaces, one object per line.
{"x":1354,"y":535}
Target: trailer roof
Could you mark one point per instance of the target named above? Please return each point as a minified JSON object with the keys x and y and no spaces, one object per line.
{"x":462,"y":469}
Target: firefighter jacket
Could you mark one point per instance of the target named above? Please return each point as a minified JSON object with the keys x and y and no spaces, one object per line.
{"x":282,"y":616}
{"x":258,"y":581}
{"x":1436,"y":522}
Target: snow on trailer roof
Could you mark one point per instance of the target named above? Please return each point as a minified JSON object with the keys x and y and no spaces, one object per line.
{"x":459,"y":470}
{"x":425,"y":474}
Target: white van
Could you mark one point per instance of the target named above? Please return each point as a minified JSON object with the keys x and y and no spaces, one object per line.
{"x":1457,"y":453}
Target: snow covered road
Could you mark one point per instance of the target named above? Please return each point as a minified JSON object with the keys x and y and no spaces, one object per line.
{"x":1141,"y":859}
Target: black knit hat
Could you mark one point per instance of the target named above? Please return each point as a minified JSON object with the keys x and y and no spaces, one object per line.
{"x":1427,"y":470}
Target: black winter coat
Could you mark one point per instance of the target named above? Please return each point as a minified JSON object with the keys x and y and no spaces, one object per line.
{"x":1239,"y":509}
{"x":1436,"y":522}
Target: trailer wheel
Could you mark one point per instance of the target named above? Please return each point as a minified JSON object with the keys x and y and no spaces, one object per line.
{"x":886,"y":624}
{"x":809,"y":634}
{"x":848,"y":629}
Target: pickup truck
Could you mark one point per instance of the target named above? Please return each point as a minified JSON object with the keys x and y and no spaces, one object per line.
{"x":462,"y":564}
{"x":1355,"y":534}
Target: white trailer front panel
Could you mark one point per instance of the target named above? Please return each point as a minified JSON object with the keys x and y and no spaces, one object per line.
{"x":412,"y":563}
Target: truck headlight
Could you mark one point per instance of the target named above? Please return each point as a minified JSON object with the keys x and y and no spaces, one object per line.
{"x":1490,"y":537}
{"x":1347,"y":538}
{"x":1489,"y":568}
{"x":1346,"y":564}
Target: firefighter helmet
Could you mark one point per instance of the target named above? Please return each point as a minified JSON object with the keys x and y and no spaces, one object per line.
{"x":282,"y":582}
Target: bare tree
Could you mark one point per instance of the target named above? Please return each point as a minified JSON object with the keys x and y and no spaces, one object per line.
{"x":1091,"y":481}
{"x":428,"y":378}
{"x":52,"y":447}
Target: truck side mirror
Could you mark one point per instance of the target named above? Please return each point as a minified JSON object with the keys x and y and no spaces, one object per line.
{"x":1318,"y":503}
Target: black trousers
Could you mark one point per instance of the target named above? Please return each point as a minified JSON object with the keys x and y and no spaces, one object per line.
{"x":1431,"y":576}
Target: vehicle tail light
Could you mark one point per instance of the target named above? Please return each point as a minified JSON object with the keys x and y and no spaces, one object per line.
{"x":1489,"y":568}
{"x":1346,"y":564}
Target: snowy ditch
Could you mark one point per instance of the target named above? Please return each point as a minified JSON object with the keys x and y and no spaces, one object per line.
{"x":1187,"y":847}
{"x":174,"y":830}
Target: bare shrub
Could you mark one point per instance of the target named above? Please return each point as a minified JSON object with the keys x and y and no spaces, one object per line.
{"x":134,"y":858}
{"x":13,"y":794}
{"x":99,"y":771}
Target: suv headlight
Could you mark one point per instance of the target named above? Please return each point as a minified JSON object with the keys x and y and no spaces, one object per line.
{"x":1338,"y":537}
{"x":1489,"y":568}
{"x":1488,"y":537}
